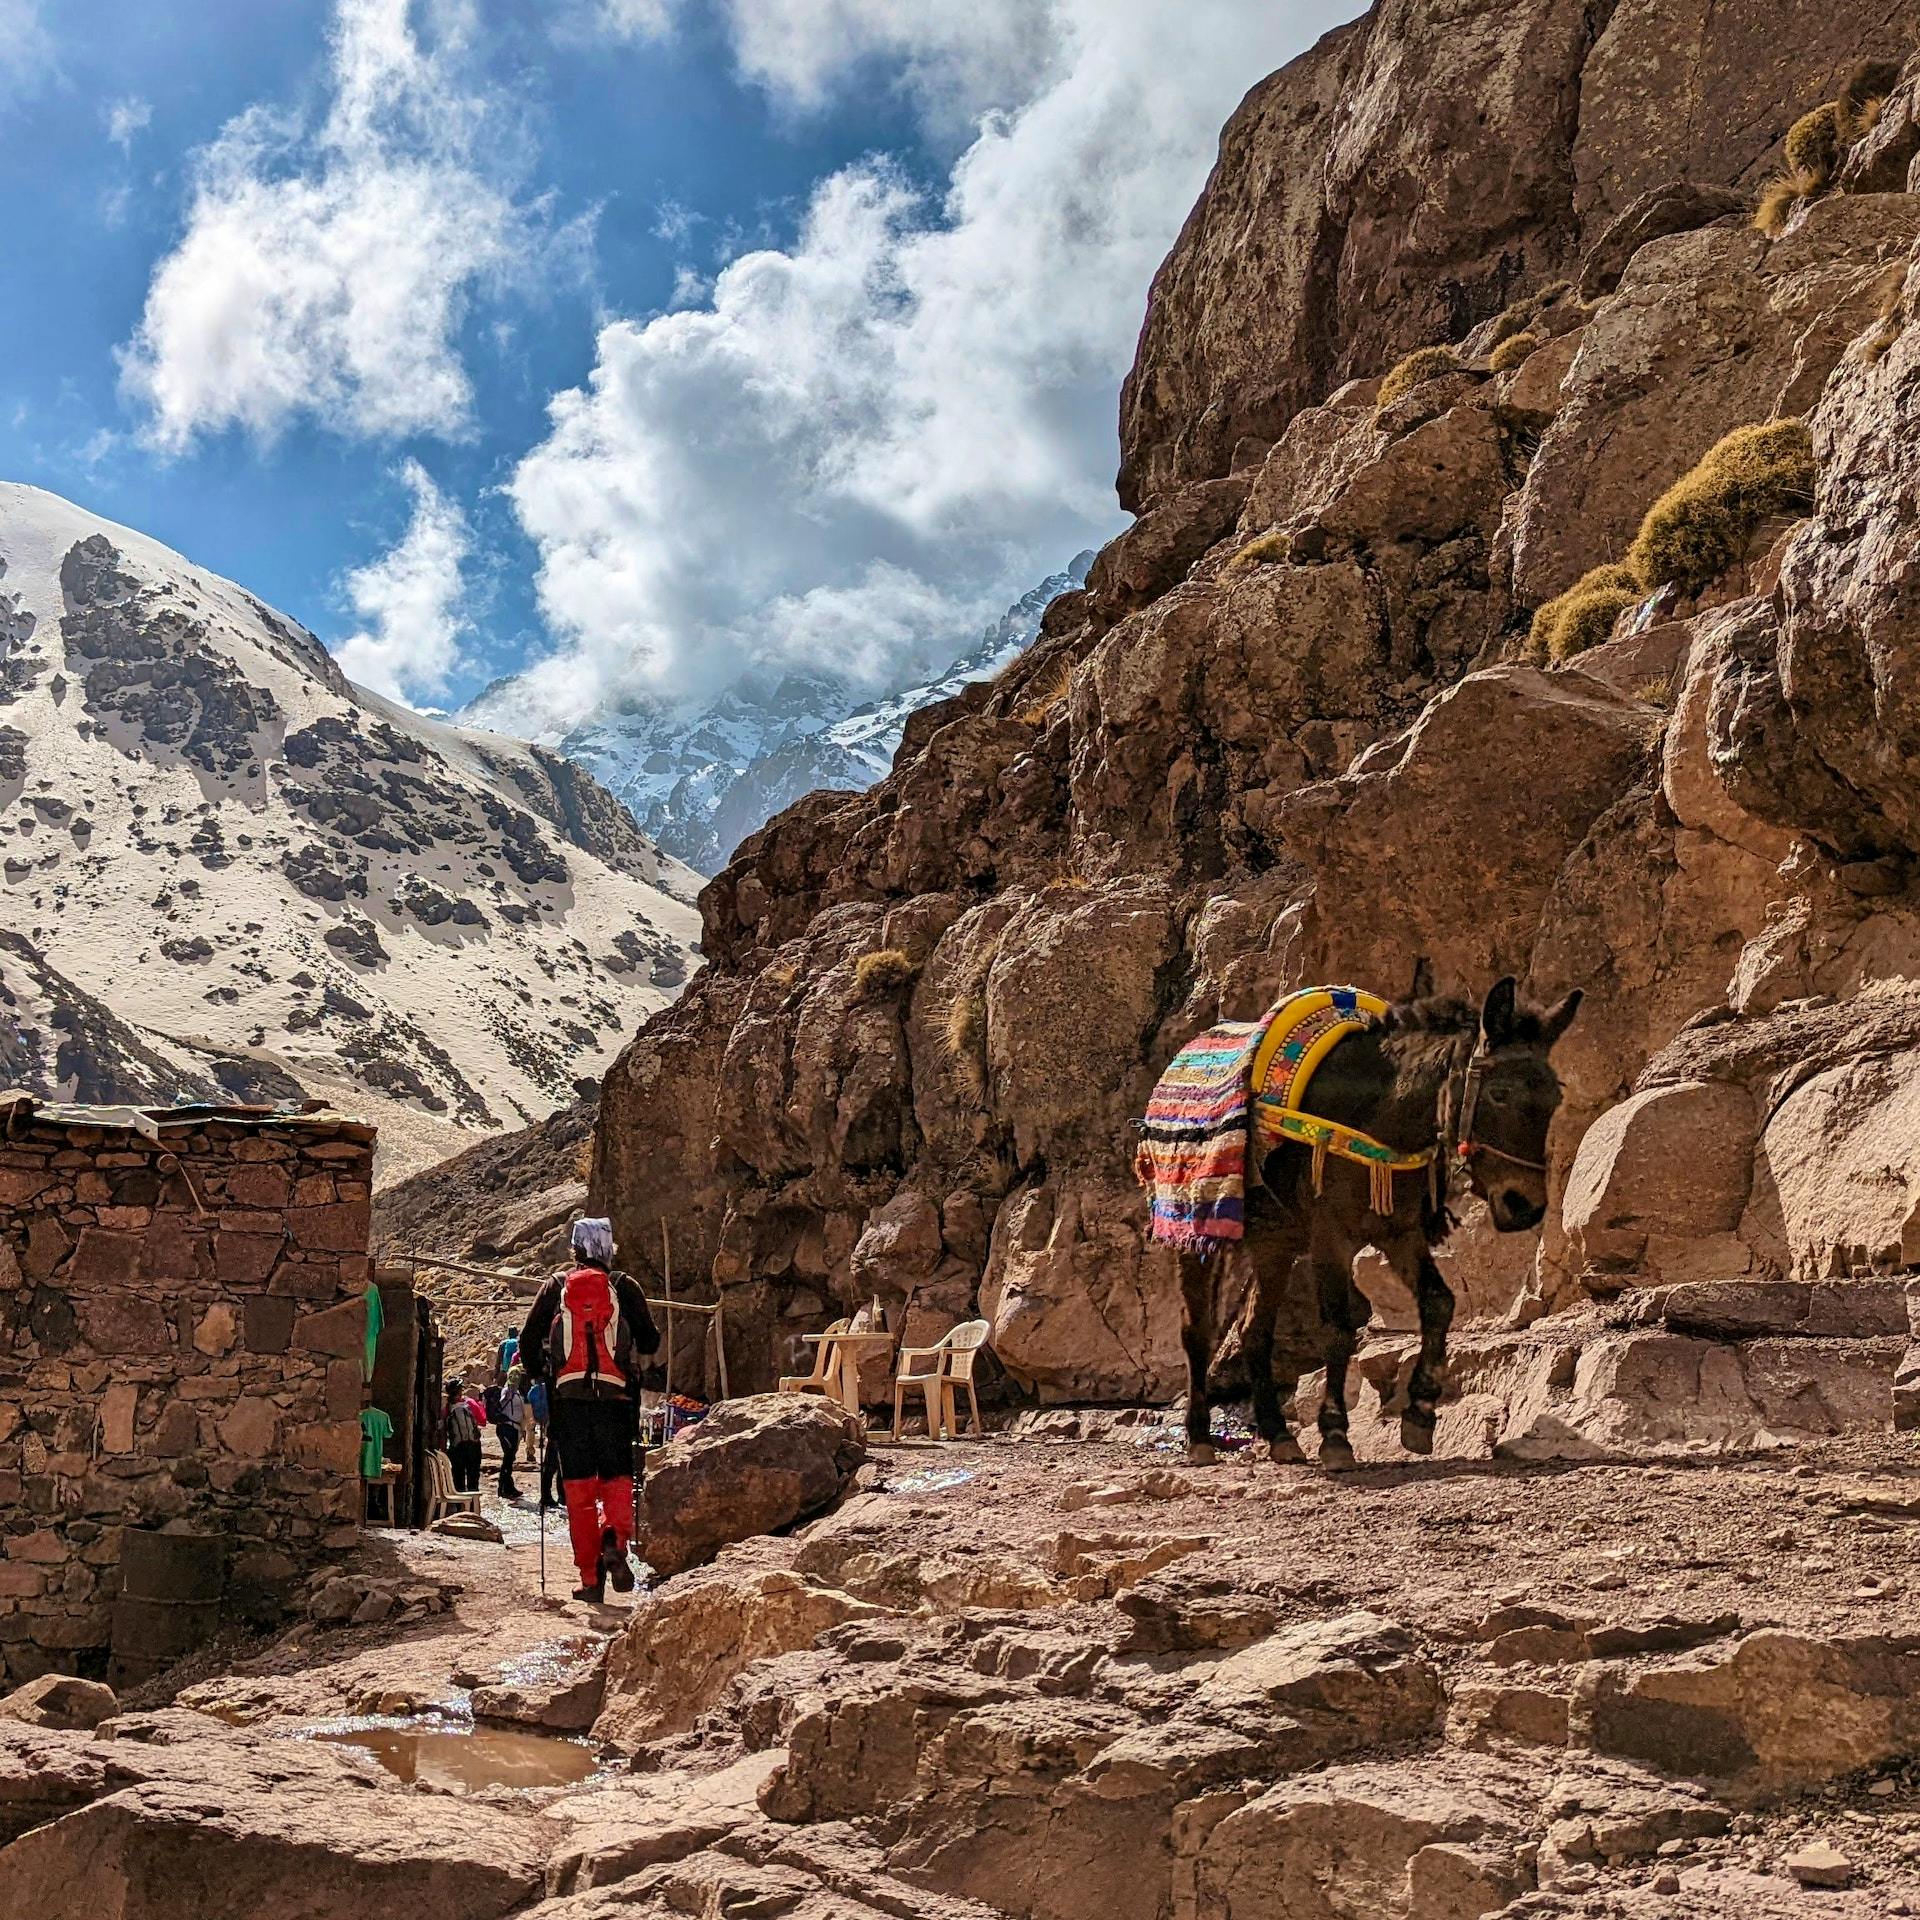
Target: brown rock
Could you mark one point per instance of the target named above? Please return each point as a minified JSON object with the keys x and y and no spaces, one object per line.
{"x":749,"y":1467}
{"x":152,"y":1852}
{"x":59,"y":1700}
{"x":1781,"y":1713}
{"x":1678,"y":206}
{"x":688,"y":1641}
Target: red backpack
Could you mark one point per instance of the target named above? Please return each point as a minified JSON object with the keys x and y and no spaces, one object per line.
{"x":589,"y":1342}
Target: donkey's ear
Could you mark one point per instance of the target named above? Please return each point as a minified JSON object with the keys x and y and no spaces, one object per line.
{"x":1422,"y":988}
{"x":1557,"y":1019}
{"x":1496,"y":1017}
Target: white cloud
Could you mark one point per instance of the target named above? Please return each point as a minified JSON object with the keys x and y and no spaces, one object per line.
{"x":26,"y":48}
{"x":125,"y":118}
{"x":410,"y":600}
{"x":634,"y":19}
{"x":327,"y":271}
{"x":870,"y":440}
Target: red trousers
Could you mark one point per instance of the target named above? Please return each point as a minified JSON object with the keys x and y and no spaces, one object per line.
{"x":592,"y":1507}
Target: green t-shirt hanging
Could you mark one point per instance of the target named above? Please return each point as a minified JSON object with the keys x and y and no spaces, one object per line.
{"x":376,"y":1319}
{"x":374,"y":1429}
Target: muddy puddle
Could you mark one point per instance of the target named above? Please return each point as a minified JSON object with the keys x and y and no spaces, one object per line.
{"x":467,"y":1759}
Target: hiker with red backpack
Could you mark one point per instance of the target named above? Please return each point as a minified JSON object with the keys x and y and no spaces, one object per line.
{"x":586,"y":1336}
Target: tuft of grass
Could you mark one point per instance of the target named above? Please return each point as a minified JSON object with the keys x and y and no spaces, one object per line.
{"x":963,"y":1034}
{"x":1418,"y":367}
{"x":1814,"y":143}
{"x":1864,"y":94}
{"x":1520,"y":315}
{"x":1584,"y":615}
{"x":884,"y":971}
{"x":1701,"y":527}
{"x":583,"y":1159}
{"x":1779,"y":199}
{"x":1043,"y":695}
{"x":1273,"y":549}
{"x":1513,"y":349}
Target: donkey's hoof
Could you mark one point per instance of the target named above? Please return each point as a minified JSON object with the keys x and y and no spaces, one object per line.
{"x":1336,"y":1453}
{"x":1202,"y":1453}
{"x":1286,"y":1451}
{"x":1416,"y":1431}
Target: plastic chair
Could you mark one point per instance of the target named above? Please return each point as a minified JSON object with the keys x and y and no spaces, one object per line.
{"x":820,"y":1380}
{"x":964,"y":1345}
{"x":442,"y":1502}
{"x":952,"y":1357}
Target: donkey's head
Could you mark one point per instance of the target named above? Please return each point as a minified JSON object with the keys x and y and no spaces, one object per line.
{"x":1511,"y":1099}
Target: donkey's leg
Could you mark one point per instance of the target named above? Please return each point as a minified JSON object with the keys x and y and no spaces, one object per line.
{"x":1196,"y":1335}
{"x":1275,"y":1253}
{"x":1343,"y":1312}
{"x":1435,"y":1300}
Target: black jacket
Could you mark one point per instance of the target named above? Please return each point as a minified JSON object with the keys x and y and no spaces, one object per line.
{"x":546,"y":1303}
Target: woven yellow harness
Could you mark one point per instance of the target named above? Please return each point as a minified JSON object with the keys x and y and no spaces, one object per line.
{"x":1301,"y":1031}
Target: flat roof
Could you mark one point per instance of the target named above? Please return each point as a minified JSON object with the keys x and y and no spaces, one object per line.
{"x":18,"y":1105}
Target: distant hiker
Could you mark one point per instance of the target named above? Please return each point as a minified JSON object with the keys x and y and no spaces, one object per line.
{"x":511,"y":1417}
{"x":540,"y":1406}
{"x":463,"y":1439}
{"x":586,"y":1336}
{"x":509,"y":1350}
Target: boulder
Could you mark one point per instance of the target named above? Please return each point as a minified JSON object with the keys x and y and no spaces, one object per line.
{"x":1664,"y":1170}
{"x":60,"y":1700}
{"x":1677,"y":206}
{"x":751,"y":1466}
{"x":1780,"y":1714}
{"x":1432,"y":819}
{"x":685,"y":1643}
{"x":1363,"y":1840}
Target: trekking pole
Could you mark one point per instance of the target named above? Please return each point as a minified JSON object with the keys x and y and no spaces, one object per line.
{"x":542,"y":1504}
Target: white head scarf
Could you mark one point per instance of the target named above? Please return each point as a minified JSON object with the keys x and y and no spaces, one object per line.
{"x":593,"y":1240}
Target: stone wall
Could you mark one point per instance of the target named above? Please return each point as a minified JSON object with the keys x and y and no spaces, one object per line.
{"x":181,"y":1346}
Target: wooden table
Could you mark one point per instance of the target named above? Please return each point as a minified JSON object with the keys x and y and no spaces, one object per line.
{"x":843,"y":1369}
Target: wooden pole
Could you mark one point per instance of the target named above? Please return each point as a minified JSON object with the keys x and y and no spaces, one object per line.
{"x":666,"y":1275}
{"x":719,"y":1324}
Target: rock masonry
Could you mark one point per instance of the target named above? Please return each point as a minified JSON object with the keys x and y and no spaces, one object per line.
{"x":181,"y":1351}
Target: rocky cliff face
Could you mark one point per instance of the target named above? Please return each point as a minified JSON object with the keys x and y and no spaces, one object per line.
{"x":1288,"y":732}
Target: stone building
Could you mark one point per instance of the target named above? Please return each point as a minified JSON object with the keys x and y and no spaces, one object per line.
{"x":182,"y":1352}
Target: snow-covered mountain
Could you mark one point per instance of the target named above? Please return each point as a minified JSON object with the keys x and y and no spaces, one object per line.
{"x":225,"y":870}
{"x":700,"y":779}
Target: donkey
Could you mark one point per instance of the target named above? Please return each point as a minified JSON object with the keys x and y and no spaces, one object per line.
{"x":1431,"y":1072}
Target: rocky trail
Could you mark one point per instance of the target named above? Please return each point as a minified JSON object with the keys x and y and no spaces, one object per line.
{"x":1061,"y":1676}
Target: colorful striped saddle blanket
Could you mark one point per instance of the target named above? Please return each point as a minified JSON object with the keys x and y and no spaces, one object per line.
{"x":1251,"y":1077}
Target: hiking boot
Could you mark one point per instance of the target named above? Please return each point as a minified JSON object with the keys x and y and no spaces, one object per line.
{"x":614,"y":1564}
{"x":596,"y":1593}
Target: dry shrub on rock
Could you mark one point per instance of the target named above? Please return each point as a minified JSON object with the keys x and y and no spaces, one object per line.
{"x":1513,"y":349}
{"x":1521,"y":314}
{"x":1701,"y":526}
{"x":1864,"y":94}
{"x":1045,"y":694}
{"x":883,"y":972}
{"x":1421,"y":365}
{"x":1780,"y":198}
{"x":1273,"y":549}
{"x":1584,"y":615}
{"x":1814,"y":143}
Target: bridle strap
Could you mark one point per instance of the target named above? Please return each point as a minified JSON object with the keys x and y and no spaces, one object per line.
{"x":1458,"y":1132}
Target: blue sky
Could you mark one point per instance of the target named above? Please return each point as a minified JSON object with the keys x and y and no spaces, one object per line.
{"x":647,"y":342}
